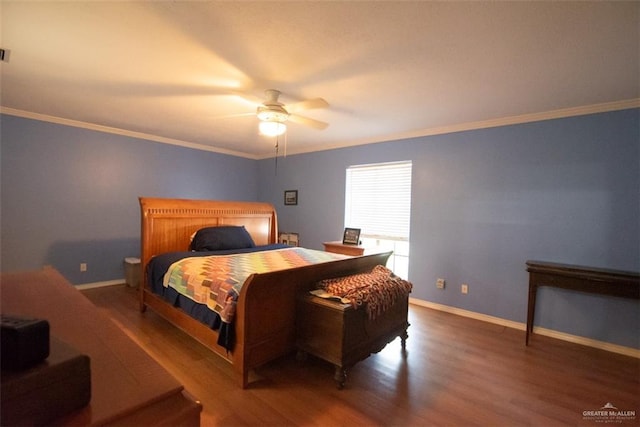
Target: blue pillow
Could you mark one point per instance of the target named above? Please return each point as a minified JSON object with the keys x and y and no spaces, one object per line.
{"x":222,"y":238}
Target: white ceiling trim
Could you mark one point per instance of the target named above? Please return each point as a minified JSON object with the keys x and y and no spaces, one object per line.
{"x":442,"y":130}
{"x":122,"y":132}
{"x":504,"y":121}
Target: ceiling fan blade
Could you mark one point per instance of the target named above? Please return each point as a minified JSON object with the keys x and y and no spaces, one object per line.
{"x":316,"y":124}
{"x":249,"y":98}
{"x":309,"y":104}
{"x":231,"y":116}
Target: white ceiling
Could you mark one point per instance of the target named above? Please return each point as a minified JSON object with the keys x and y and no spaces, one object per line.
{"x":175,"y":71}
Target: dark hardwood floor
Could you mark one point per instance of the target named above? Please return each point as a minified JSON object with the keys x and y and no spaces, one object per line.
{"x":456,"y":371}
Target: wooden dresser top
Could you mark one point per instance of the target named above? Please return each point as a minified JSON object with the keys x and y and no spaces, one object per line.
{"x":125,"y":379}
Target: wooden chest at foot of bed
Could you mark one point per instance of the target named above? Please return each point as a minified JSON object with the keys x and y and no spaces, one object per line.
{"x":342,"y":335}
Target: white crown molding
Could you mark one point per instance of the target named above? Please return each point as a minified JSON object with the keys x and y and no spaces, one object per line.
{"x":486,"y":124}
{"x":121,"y":132}
{"x":533,"y":117}
{"x":614,"y":348}
{"x":441,"y":130}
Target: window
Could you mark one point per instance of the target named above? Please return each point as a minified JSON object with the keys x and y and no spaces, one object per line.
{"x":378,"y":201}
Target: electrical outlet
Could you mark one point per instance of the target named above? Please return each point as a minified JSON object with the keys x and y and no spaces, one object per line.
{"x":464,"y":288}
{"x":83,"y":266}
{"x":440,"y":283}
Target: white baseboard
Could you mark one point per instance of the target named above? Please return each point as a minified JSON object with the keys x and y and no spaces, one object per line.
{"x":100,"y":284}
{"x":614,"y":348}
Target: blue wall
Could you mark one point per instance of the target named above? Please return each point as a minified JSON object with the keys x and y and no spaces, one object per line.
{"x":486,"y":201}
{"x":70,"y":195}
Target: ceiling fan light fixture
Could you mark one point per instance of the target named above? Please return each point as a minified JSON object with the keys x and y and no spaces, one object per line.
{"x":272,"y":114}
{"x":272,"y":128}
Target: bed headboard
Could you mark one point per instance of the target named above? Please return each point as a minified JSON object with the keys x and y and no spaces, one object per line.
{"x":167,"y":224}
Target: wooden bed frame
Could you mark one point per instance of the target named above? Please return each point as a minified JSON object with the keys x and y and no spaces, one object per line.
{"x":262,"y":333}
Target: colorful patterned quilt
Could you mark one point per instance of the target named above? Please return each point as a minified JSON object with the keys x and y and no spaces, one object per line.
{"x":216,"y":280}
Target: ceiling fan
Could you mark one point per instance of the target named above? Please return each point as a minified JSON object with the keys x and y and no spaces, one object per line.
{"x":273,"y":114}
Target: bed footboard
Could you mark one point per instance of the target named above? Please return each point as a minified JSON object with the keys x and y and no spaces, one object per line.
{"x":266,"y":320}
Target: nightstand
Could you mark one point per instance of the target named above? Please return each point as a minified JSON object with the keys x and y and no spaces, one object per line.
{"x":340,"y":248}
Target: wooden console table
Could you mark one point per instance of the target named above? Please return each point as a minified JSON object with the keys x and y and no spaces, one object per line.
{"x":625,"y":284}
{"x":128,"y":387}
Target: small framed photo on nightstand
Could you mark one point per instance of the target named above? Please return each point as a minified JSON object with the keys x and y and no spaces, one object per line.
{"x":351,"y":236}
{"x":291,"y":197}
{"x":291,"y":239}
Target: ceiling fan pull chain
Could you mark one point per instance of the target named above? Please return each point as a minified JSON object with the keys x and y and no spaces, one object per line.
{"x":277,"y":155}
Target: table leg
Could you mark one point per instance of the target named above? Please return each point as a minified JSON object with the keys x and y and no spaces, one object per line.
{"x":531,"y":308}
{"x":340,"y":376}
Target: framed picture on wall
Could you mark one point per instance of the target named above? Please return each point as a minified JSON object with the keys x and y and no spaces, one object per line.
{"x":291,"y":197}
{"x":351,"y":236}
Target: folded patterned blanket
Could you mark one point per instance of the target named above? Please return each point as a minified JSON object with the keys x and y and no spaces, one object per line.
{"x":377,"y":290}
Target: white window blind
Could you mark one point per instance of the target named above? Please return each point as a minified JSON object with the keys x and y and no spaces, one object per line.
{"x":378,"y":200}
